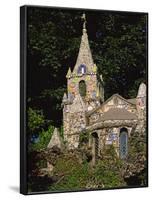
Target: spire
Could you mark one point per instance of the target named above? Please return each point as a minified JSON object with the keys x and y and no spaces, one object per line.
{"x":64,"y":96}
{"x":84,"y":55}
{"x":69,"y":73}
{"x":56,"y":140}
{"x":142,"y":90}
{"x":84,"y":23}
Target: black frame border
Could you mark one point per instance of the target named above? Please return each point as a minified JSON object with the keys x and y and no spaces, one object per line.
{"x":23,"y":106}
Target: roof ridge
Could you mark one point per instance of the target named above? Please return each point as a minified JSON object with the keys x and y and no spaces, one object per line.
{"x":118,"y":114}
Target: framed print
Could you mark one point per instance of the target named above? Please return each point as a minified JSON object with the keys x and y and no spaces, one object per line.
{"x":84,"y":99}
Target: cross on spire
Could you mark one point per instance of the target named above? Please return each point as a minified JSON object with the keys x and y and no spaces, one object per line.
{"x":84,"y":21}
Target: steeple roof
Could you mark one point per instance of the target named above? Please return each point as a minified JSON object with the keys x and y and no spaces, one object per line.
{"x":64,"y":96}
{"x":84,"y":55}
{"x":68,"y":73}
{"x":141,"y":90}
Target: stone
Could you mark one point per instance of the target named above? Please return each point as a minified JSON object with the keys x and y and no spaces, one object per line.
{"x":56,"y":140}
{"x":50,"y":167}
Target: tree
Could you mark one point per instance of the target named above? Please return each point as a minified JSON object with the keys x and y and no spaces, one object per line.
{"x":35,"y":120}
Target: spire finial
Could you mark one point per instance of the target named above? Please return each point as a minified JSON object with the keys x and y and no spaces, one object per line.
{"x":84,"y":22}
{"x":69,"y":73}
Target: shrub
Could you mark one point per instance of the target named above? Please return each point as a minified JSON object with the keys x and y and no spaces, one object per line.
{"x":44,"y":138}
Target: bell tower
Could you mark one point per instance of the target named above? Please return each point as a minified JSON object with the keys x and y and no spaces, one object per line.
{"x":84,"y":79}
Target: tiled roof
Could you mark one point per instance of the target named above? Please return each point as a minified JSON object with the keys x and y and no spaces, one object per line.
{"x":118,"y":114}
{"x":133,"y":101}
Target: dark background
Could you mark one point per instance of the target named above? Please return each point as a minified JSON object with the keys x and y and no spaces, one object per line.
{"x":118,"y":44}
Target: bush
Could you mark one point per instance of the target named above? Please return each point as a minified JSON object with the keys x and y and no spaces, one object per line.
{"x":35,"y":120}
{"x":84,"y":137}
{"x":73,"y":175}
{"x":108,"y":171}
{"x":76,"y":175}
{"x":43,"y":139}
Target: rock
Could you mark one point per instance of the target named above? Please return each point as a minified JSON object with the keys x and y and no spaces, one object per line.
{"x":50,"y":167}
{"x":56,"y":150}
{"x":56,"y":140}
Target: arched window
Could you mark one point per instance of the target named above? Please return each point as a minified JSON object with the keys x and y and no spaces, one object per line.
{"x":123,"y":142}
{"x":82,"y":88}
{"x":82,"y":69}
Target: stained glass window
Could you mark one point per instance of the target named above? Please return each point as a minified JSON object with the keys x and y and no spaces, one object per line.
{"x":123,"y":143}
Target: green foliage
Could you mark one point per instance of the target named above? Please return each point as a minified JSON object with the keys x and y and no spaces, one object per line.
{"x":108,"y":171}
{"x":83,"y":137}
{"x":43,"y":139}
{"x":76,"y":175}
{"x":135,"y":169}
{"x":121,"y":57}
{"x":137,"y":146}
{"x":110,"y":151}
{"x":35,"y":120}
{"x":41,"y":163}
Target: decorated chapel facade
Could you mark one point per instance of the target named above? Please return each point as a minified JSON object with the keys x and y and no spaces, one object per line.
{"x":85,"y":110}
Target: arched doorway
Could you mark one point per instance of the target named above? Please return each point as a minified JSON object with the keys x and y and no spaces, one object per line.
{"x":123,"y":143}
{"x":95,"y":147}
